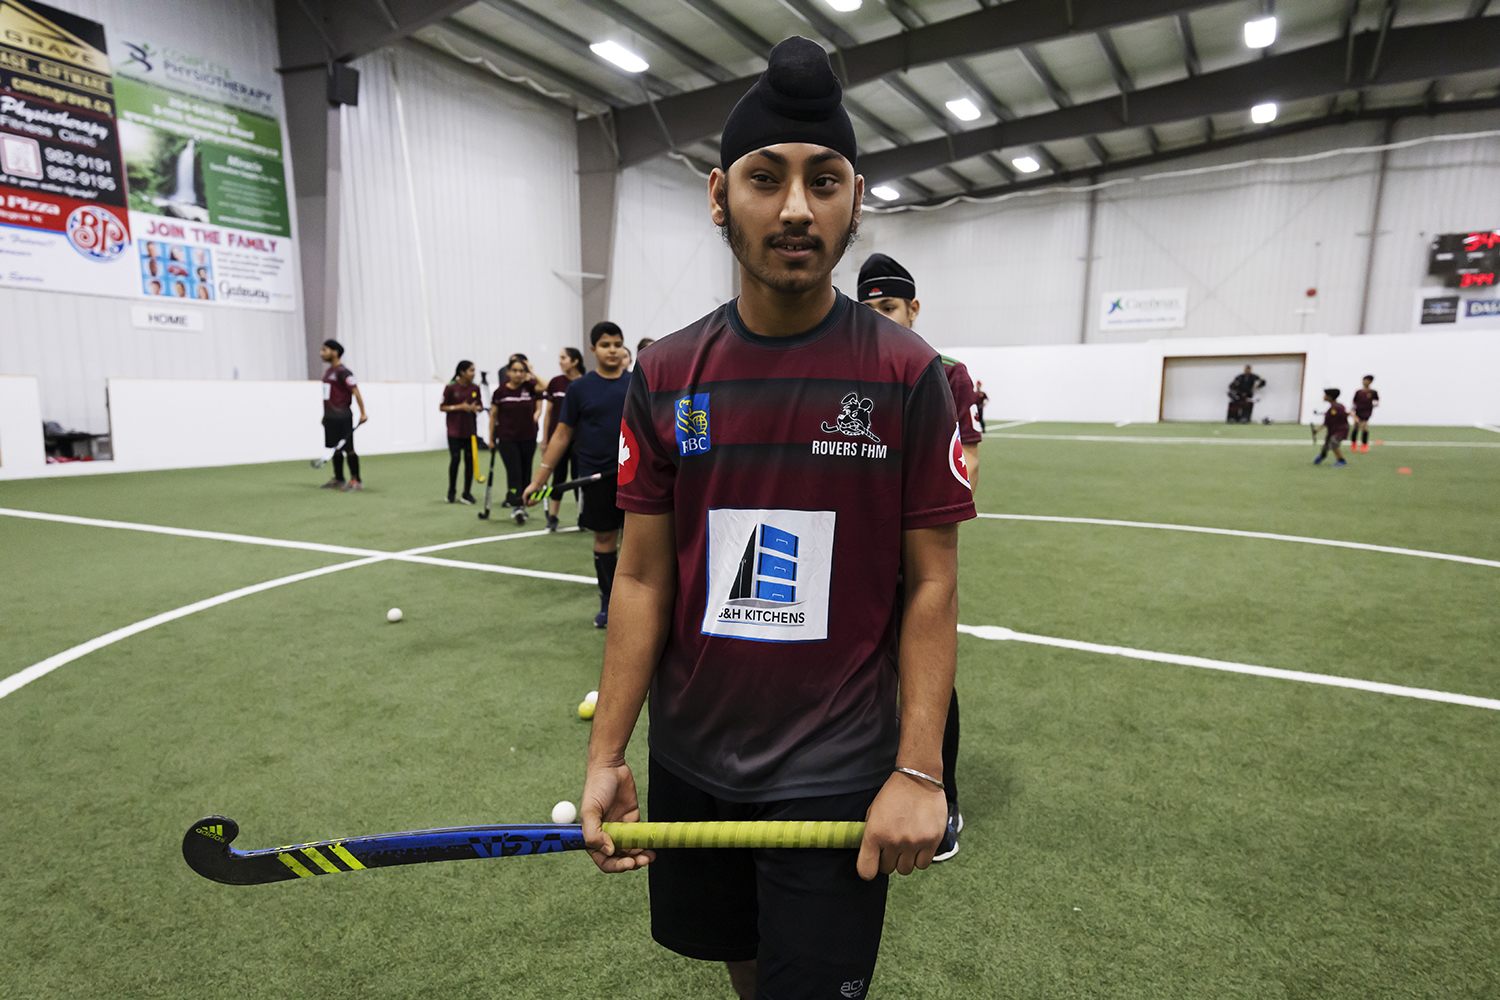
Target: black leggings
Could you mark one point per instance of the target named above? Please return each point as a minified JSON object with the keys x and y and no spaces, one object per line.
{"x":457,"y":447}
{"x":517,"y":457}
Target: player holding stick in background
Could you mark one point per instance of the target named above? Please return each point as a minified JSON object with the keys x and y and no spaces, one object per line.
{"x":1365,"y":401}
{"x":590,"y":425}
{"x":339,"y":388}
{"x":461,"y":400}
{"x":889,"y":289}
{"x":571,"y":363}
{"x":782,"y":461}
{"x":514,"y":409}
{"x":1336,"y":420}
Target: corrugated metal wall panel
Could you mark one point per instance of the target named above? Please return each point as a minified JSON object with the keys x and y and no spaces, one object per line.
{"x":494,"y":180}
{"x":670,"y":265}
{"x":72,"y":343}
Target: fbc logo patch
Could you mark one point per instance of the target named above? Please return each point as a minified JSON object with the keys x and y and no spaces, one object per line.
{"x":692,"y":424}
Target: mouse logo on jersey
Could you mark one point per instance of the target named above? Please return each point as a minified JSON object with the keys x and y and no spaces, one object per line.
{"x":956,"y":463}
{"x":854,"y":418}
{"x":692,"y":424}
{"x":769,"y":574}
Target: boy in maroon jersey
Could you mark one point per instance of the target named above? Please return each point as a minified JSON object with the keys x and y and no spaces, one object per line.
{"x":339,"y":388}
{"x":1365,"y":401}
{"x":781,"y":462}
{"x":1336,"y":420}
{"x":889,"y":289}
{"x":571,"y":363}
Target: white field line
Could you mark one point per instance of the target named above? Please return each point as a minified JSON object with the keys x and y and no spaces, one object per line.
{"x":1328,"y":680}
{"x":1013,"y":423}
{"x":1269,"y":536}
{"x":44,"y":667}
{"x":1488,"y":427}
{"x":1137,"y":439}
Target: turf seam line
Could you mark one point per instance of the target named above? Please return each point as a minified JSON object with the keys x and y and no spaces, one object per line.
{"x":1287,"y":442}
{"x":1235,"y":532}
{"x":1001,"y":634}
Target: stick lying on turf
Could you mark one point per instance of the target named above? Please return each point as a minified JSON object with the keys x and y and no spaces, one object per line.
{"x":206,"y":848}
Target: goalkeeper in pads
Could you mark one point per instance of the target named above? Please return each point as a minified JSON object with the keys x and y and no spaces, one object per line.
{"x":783,"y":462}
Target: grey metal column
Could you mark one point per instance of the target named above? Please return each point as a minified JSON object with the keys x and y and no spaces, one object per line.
{"x":598,"y":174}
{"x":1385,"y":159}
{"x":1088,"y":266}
{"x":312,"y":134}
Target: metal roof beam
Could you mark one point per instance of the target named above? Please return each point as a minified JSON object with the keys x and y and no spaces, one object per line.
{"x":701,"y":113}
{"x":495,"y":47}
{"x":1421,"y":52}
{"x":684,"y":54}
{"x":1190,"y":48}
{"x":578,"y":45}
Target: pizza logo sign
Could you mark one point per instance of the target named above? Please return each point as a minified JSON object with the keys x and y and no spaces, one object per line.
{"x":96,"y":232}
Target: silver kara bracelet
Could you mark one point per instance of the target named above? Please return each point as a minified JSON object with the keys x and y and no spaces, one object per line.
{"x":924,"y":777}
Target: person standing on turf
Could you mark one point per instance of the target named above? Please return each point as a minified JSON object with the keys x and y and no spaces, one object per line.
{"x":1336,"y":420}
{"x":590,"y":424}
{"x":514,"y":409}
{"x":792,"y":474}
{"x":889,"y":289}
{"x":571,"y":363}
{"x":339,"y":388}
{"x":980,"y":398}
{"x":461,"y":400}
{"x":1365,"y":401}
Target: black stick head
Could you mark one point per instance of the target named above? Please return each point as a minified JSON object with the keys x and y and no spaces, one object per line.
{"x":205,"y":847}
{"x":484,"y":515}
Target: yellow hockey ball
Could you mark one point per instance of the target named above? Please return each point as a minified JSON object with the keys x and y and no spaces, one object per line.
{"x":585,"y":710}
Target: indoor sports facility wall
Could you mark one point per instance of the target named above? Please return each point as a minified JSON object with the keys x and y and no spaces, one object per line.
{"x":1433,"y":379}
{"x":473,"y":251}
{"x":1246,"y":243}
{"x":1195,"y":388}
{"x":72,"y":342}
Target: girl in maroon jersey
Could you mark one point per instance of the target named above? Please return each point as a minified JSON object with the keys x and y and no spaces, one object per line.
{"x":514,"y":409}
{"x":461,"y":400}
{"x":571,"y":363}
{"x":1365,"y":401}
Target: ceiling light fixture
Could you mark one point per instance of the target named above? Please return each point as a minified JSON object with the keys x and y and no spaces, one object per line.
{"x":963,"y":109}
{"x":1260,"y":33}
{"x":885,"y":192}
{"x":845,"y":6}
{"x":1026,"y":164}
{"x":622,"y":57}
{"x":1264,"y":114}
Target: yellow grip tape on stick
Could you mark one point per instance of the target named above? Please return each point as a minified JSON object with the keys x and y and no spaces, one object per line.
{"x":806,"y":833}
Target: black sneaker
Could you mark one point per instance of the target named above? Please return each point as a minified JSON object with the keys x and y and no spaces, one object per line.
{"x":519,"y":515}
{"x":601,"y":620}
{"x":332,"y":484}
{"x":552,"y":523}
{"x":466,"y":498}
{"x":949,"y":846}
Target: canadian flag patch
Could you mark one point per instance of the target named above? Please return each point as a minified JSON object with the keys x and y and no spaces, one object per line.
{"x":956,"y":463}
{"x":629,"y":455}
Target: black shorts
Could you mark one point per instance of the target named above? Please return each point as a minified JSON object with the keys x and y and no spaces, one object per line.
{"x":1363,"y":417}
{"x":566,"y":469}
{"x":807,"y":918}
{"x":336,"y":429}
{"x":596,"y":507}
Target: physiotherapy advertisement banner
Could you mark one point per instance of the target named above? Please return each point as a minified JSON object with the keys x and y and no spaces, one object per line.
{"x":193,"y":203}
{"x":1151,"y":309}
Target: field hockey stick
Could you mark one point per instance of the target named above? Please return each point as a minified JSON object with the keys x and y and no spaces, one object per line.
{"x":571,"y":484}
{"x":489,"y":485}
{"x":206,"y":848}
{"x":318,"y":463}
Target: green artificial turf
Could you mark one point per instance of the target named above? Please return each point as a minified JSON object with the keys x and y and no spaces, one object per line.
{"x":1133,"y":829}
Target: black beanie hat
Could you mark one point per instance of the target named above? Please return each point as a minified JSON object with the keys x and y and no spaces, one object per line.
{"x":881,"y":277}
{"x":797,"y":99}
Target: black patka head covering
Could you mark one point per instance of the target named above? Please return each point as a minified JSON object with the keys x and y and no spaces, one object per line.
{"x":881,"y":277}
{"x":797,"y":99}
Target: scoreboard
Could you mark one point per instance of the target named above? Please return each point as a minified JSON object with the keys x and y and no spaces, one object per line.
{"x":1465,"y":260}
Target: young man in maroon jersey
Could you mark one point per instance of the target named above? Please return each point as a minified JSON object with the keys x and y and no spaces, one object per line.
{"x":1365,"y":401}
{"x":1336,"y":420}
{"x":339,"y":388}
{"x":782,"y":462}
{"x":889,"y":289}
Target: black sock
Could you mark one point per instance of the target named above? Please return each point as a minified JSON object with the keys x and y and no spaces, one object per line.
{"x":950,"y":751}
{"x":604,"y":569}
{"x":353,"y":466}
{"x":1367,"y":437}
{"x":338,"y":465}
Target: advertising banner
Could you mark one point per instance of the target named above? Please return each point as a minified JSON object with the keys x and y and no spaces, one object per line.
{"x":1152,"y":309}
{"x":161,"y":178}
{"x":62,"y":182}
{"x":207,"y":185}
{"x":1445,"y":309}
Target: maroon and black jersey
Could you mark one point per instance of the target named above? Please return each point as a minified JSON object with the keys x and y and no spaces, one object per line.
{"x":338,"y":391}
{"x":461,"y":422}
{"x":515,"y":419}
{"x":792,"y":465}
{"x":962,"y":388}
{"x":1336,"y":420}
{"x":1364,"y":402}
{"x":557,"y":391}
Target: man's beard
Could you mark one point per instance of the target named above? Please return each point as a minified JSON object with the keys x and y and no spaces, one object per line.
{"x":787,"y":283}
